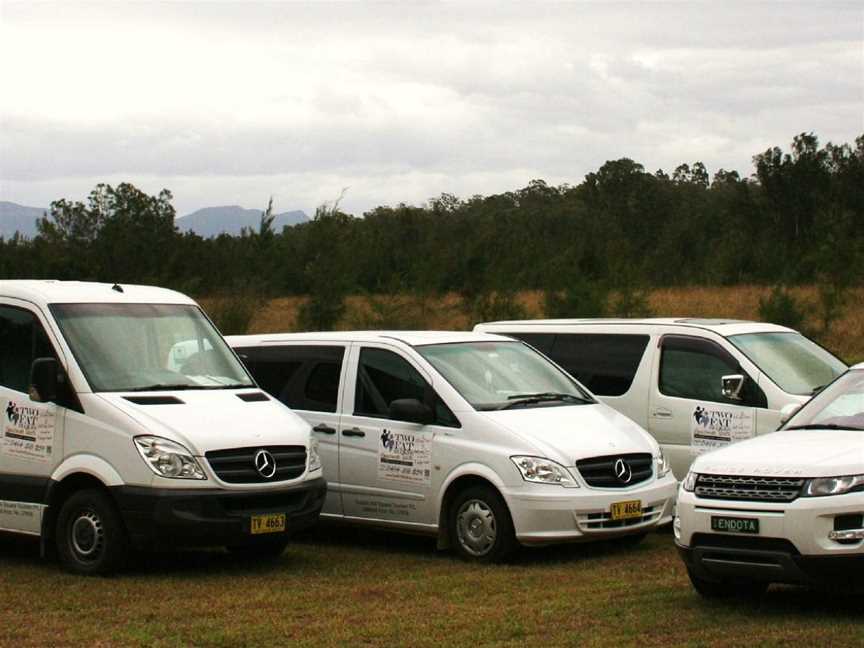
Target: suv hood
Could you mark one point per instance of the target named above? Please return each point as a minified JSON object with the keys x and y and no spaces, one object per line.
{"x":800,"y":453}
{"x":569,"y":433}
{"x":214,"y":419}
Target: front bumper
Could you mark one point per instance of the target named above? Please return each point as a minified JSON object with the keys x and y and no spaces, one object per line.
{"x":796,"y":543}
{"x":168,"y":518}
{"x":552,"y":514}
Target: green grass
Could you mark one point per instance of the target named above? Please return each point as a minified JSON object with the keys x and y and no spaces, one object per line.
{"x":343,"y":587}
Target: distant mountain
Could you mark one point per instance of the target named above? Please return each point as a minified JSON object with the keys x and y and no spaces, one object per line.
{"x":18,"y":218}
{"x":213,"y":221}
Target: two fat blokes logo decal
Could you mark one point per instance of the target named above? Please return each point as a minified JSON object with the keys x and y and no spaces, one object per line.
{"x":715,"y":425}
{"x":405,"y":456}
{"x":27,"y":430}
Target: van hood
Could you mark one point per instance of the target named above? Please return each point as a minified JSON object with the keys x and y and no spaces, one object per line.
{"x":208,"y":420}
{"x":570,"y":433}
{"x":799,"y":453}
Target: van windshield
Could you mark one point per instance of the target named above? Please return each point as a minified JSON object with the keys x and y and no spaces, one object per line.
{"x":503,"y":375}
{"x":794,"y":363}
{"x":148,"y":347}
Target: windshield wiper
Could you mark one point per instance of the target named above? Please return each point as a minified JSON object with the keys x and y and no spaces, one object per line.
{"x":825,"y":426}
{"x":527,"y":399}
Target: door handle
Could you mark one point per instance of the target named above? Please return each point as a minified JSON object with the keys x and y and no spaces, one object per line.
{"x":354,"y":432}
{"x":661,"y":412}
{"x":323,"y":428}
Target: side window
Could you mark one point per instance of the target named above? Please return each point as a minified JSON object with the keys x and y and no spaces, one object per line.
{"x":22,"y":340}
{"x":605,"y":364}
{"x":302,"y":377}
{"x":692,"y":368}
{"x":540,"y":341}
{"x":384,"y":376}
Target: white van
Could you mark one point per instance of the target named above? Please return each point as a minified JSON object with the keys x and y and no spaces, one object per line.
{"x":695,"y":384}
{"x":476,"y":439}
{"x":108,"y":443}
{"x":787,"y":507}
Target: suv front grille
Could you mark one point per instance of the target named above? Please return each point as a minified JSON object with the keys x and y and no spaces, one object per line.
{"x":754,"y":489}
{"x":606,"y":472}
{"x":237,"y":465}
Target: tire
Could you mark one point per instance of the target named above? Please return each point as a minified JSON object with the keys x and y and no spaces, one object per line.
{"x":725,"y":589}
{"x":90,"y":536}
{"x":260,"y":549}
{"x":480,"y":526}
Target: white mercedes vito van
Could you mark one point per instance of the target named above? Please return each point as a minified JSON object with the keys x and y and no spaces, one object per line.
{"x":695,"y":384}
{"x":127,"y":422}
{"x":476,"y":439}
{"x":786,"y":507}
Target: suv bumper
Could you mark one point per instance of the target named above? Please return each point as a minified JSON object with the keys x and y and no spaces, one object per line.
{"x":169,"y":518}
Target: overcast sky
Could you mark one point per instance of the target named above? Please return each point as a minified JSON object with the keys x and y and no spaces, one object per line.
{"x":232,"y":103}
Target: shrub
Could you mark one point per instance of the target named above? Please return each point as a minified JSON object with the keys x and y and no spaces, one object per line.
{"x":582,"y":298}
{"x":498,"y":305}
{"x":781,"y":307}
{"x":233,"y":313}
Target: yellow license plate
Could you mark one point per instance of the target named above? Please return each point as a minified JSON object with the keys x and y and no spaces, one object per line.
{"x":627,"y":510}
{"x":273,"y":523}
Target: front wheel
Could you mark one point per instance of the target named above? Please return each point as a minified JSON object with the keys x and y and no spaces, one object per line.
{"x":725,"y":589}
{"x":480,"y":525}
{"x":90,"y":536}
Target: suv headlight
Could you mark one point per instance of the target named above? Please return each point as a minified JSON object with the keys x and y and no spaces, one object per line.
{"x":689,"y":483}
{"x":824,"y":486}
{"x":661,"y":464}
{"x":314,"y":457}
{"x":544,"y":471}
{"x":167,"y":458}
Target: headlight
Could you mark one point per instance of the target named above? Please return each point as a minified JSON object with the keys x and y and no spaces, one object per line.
{"x":314,"y":457}
{"x":689,"y":483}
{"x":168,"y":459}
{"x":660,"y":464}
{"x":544,"y":471}
{"x":824,"y":486}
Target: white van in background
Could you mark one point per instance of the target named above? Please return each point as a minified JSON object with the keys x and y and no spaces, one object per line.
{"x":695,"y":384}
{"x":476,"y":439}
{"x":127,"y":422}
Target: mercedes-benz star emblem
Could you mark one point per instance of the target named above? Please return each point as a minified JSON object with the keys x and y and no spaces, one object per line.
{"x":265,"y":464}
{"x":623,"y":471}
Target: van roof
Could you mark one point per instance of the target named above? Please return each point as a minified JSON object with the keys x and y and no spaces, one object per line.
{"x":724,"y":327}
{"x":411,"y":338}
{"x":48,"y":291}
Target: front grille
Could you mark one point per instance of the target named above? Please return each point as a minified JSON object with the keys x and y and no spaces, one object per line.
{"x":747,"y":543}
{"x":601,"y":471}
{"x":237,"y":465}
{"x":753,"y":489}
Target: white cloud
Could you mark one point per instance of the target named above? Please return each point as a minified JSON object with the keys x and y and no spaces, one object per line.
{"x":228,"y":103}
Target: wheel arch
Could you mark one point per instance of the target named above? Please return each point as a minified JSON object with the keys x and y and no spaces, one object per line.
{"x":461,"y":478}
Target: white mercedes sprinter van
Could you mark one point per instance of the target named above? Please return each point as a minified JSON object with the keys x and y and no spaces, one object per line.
{"x":695,"y":384}
{"x":786,"y":507}
{"x":476,"y":439}
{"x":127,"y":422}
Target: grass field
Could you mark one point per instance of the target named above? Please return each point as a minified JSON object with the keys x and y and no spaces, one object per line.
{"x":369,"y":588}
{"x":846,"y":337}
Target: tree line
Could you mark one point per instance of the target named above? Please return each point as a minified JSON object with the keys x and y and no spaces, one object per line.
{"x":797,"y":219}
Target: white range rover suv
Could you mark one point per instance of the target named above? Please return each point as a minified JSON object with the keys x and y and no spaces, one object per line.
{"x":787,"y":507}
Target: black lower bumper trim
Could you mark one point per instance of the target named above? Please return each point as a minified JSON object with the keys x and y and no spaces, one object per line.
{"x":748,"y":565}
{"x":169,"y":518}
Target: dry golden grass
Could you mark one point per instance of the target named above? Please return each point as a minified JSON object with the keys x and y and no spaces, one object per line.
{"x":846,"y":338}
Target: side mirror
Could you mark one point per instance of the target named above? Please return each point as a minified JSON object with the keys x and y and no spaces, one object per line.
{"x":43,"y":380}
{"x":788,"y":411}
{"x":410,"y":409}
{"x":731,"y":386}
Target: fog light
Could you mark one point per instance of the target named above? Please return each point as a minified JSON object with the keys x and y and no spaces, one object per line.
{"x":849,"y":534}
{"x":676,"y":527}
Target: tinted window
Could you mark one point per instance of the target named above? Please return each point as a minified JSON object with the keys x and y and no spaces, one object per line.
{"x":302,"y":377}
{"x":384,"y":376}
{"x":540,"y":341}
{"x":693,"y":368}
{"x":605,"y":364}
{"x":22,"y":340}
